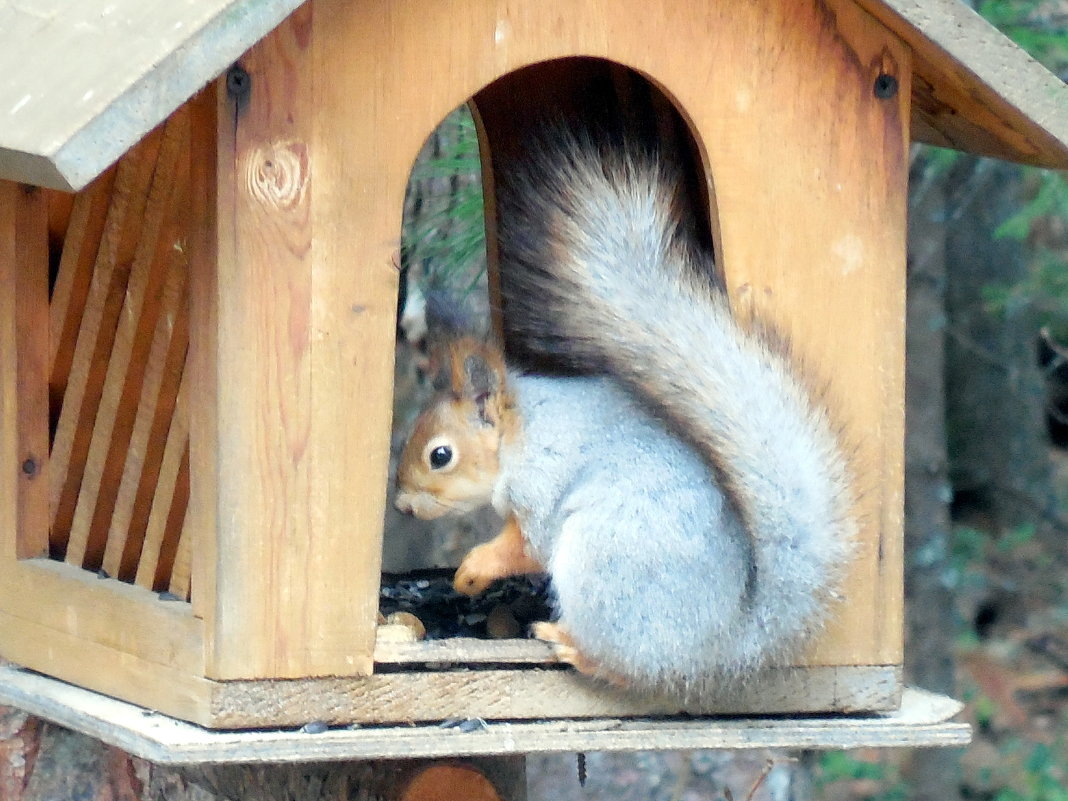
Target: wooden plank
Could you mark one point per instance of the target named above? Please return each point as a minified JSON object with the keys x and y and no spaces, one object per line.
{"x":103,"y":669}
{"x":207,"y":148}
{"x":360,"y":206}
{"x":89,"y":365}
{"x":155,"y":409}
{"x":973,"y":88}
{"x":512,"y":694}
{"x":838,"y":266}
{"x":123,"y":382}
{"x":170,"y":496}
{"x":174,"y":526}
{"x":31,"y":292}
{"x":9,"y":378}
{"x":103,"y":634}
{"x":924,"y":720}
{"x":80,"y":248}
{"x":181,"y":571}
{"x":24,"y":395}
{"x":304,"y":341}
{"x":261,"y":392}
{"x":362,"y":193}
{"x":461,"y":651}
{"x":82,"y":86}
{"x":112,"y":614}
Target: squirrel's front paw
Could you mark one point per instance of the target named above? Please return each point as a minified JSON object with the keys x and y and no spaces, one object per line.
{"x":477,"y":571}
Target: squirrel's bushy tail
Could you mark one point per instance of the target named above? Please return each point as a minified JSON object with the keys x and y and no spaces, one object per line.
{"x":596,"y":274}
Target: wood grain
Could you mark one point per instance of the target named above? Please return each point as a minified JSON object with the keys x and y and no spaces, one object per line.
{"x":121,"y":390}
{"x":289,"y":460}
{"x":81,"y":244}
{"x":86,"y":85}
{"x":513,"y":694}
{"x":60,"y":207}
{"x":112,"y":671}
{"x":392,"y":650}
{"x":92,"y":351}
{"x":148,"y":438}
{"x":181,"y":573}
{"x":206,"y":250}
{"x":169,"y":500}
{"x":262,"y":290}
{"x":115,"y":615}
{"x":923,"y":720}
{"x":24,"y":391}
{"x":832,"y":279}
{"x":173,"y":530}
{"x":9,"y":380}
{"x":292,"y":294}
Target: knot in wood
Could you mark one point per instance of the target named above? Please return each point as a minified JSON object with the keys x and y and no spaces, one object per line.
{"x":277,"y":174}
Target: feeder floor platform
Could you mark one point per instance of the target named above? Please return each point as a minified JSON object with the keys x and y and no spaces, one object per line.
{"x":924,"y":719}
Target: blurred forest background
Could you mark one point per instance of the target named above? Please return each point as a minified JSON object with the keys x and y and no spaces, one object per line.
{"x":986,"y":493}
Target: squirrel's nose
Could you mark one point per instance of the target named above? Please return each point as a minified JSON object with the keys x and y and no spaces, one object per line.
{"x":403,"y":504}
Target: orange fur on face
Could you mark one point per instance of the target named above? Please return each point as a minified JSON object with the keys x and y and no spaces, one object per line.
{"x":467,"y":418}
{"x":467,"y":482}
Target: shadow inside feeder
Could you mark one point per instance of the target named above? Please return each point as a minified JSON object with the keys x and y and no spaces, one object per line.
{"x":506,"y":610}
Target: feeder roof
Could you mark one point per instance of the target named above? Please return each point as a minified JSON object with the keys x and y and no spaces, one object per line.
{"x":82,"y":80}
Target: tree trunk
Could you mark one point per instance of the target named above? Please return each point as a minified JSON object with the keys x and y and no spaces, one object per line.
{"x":934,"y":774}
{"x":41,"y":762}
{"x":994,"y":390}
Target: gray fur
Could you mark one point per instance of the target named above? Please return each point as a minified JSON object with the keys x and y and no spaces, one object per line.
{"x":675,"y":564}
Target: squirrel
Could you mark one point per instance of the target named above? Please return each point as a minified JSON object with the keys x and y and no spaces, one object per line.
{"x":686,"y":493}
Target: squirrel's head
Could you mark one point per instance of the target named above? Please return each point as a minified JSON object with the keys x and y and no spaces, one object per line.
{"x":450,"y":463}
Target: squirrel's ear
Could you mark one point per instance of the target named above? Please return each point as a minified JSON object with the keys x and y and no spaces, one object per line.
{"x":482,"y":384}
{"x":440,"y":370}
{"x":446,"y":366}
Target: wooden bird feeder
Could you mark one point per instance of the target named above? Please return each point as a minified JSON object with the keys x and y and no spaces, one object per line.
{"x":197,"y":314}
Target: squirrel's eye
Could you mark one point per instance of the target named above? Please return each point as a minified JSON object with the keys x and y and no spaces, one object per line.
{"x":440,"y":456}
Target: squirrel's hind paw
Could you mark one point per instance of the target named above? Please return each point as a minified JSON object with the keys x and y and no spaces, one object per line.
{"x":565,"y":650}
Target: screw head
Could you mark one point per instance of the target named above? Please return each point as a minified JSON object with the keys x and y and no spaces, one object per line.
{"x":29,"y":467}
{"x":238,"y":82}
{"x":885,"y":86}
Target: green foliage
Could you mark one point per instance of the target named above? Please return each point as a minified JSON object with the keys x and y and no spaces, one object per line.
{"x":1041,"y":775}
{"x":1012,"y":539}
{"x":1050,"y":198}
{"x":971,"y":548}
{"x":984,"y":709}
{"x":940,"y":159}
{"x":969,"y":552}
{"x":842,"y":766}
{"x":1038,"y":27}
{"x":444,"y":230}
{"x":1045,"y":289}
{"x":1041,"y":28}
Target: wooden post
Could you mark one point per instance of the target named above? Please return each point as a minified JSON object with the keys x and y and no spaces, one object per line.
{"x":24,"y":374}
{"x":500,"y":778}
{"x":295,"y":348}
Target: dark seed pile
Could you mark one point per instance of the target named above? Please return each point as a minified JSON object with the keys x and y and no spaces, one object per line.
{"x":428,"y":594}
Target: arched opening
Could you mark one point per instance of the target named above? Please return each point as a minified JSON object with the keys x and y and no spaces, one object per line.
{"x":450,"y":279}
